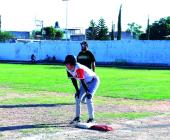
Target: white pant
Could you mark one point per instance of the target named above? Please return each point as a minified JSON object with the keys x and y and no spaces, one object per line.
{"x":92,"y":86}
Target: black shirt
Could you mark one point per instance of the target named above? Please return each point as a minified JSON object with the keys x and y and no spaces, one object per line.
{"x":86,"y":58}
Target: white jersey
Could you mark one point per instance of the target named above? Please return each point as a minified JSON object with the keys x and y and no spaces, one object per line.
{"x":81,"y":72}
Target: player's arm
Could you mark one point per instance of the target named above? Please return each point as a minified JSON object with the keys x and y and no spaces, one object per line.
{"x":74,"y":81}
{"x":88,"y":95}
{"x":80,"y":75}
{"x":84,"y":85}
{"x":78,"y":60}
{"x":93,"y":66}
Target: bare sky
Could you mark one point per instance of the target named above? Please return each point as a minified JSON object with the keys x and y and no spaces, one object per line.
{"x":21,"y":14}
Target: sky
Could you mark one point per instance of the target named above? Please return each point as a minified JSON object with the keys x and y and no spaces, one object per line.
{"x":20,"y":15}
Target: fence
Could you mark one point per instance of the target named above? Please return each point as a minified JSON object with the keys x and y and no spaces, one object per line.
{"x":128,"y":51}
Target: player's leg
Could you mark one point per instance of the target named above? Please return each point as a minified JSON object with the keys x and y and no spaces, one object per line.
{"x":92,"y":86}
{"x":78,"y":105}
{"x":83,"y":100}
{"x":78,"y":100}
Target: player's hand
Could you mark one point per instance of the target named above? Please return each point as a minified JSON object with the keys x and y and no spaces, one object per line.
{"x":77,"y":94}
{"x":88,"y":95}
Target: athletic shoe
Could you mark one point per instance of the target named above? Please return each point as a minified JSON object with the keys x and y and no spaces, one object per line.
{"x":75,"y":120}
{"x":90,"y":120}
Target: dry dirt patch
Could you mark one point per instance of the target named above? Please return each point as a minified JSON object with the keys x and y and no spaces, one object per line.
{"x":47,"y":122}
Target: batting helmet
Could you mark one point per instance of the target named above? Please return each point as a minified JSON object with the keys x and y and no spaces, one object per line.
{"x":70,"y":59}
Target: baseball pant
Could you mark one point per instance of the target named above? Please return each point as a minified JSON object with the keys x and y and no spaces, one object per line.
{"x":92,"y":86}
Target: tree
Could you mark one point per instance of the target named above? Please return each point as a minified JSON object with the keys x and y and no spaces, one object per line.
{"x":5,"y":36}
{"x":112,"y":32}
{"x":148,"y":30}
{"x":160,"y":29}
{"x":119,"y":28}
{"x":50,"y":32}
{"x":143,"y":36}
{"x":97,"y":32}
{"x":91,"y":33}
{"x":135,"y":30}
{"x":102,"y":30}
{"x":36,"y":34}
{"x":59,"y":34}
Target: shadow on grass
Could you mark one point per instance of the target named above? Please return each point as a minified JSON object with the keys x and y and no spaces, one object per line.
{"x":34,"y":105}
{"x":20,"y":127}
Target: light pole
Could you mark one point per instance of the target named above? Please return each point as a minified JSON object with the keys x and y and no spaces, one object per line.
{"x":66,"y":30}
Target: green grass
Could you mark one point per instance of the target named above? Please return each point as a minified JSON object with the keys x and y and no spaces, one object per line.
{"x":128,"y":115}
{"x":41,"y":99}
{"x":123,"y":115}
{"x":116,"y":83}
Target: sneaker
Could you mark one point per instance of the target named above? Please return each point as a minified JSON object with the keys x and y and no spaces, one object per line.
{"x":90,"y":120}
{"x":75,"y":120}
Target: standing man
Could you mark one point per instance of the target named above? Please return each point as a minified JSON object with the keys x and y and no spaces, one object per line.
{"x":86,"y":57}
{"x":88,"y":84}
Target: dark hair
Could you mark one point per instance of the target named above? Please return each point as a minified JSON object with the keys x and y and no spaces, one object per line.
{"x":84,"y":43}
{"x":70,"y":59}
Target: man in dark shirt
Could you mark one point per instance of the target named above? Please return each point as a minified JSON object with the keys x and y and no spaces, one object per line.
{"x":85,"y":57}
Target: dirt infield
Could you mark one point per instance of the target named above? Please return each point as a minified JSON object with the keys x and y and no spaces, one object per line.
{"x":51,"y":121}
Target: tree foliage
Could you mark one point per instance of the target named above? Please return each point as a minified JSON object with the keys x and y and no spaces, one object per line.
{"x":158,"y":30}
{"x":5,"y":36}
{"x":119,"y":28}
{"x":102,"y":30}
{"x":91,"y":33}
{"x":135,"y":29}
{"x":112,"y":32}
{"x":148,"y":30}
{"x":97,"y":32}
{"x":59,"y":34}
{"x":36,"y":33}
{"x":48,"y":33}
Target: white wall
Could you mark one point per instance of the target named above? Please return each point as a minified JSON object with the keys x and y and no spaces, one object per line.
{"x":133,"y":51}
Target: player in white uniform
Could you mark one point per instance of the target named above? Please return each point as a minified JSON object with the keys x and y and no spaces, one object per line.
{"x":89,"y":82}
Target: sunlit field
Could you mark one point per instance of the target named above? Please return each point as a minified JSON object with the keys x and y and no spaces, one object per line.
{"x":115,"y":82}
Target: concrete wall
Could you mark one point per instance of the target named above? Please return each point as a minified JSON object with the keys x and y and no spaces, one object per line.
{"x":132,"y":51}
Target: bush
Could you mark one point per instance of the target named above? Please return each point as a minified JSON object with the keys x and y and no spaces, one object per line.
{"x":5,"y":36}
{"x":59,"y":34}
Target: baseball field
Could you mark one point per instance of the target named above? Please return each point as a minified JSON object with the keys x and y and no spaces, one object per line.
{"x":38,"y":99}
{"x":115,"y":82}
